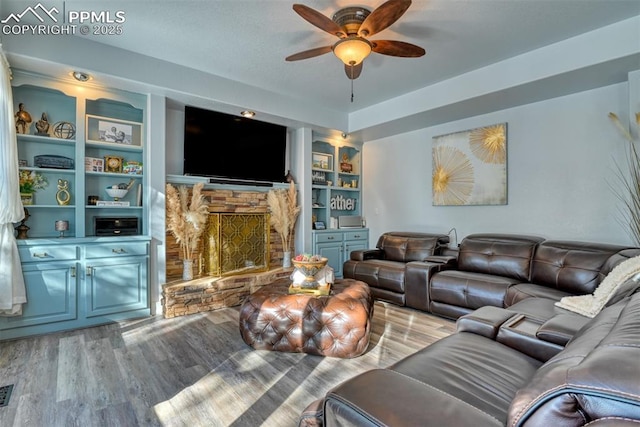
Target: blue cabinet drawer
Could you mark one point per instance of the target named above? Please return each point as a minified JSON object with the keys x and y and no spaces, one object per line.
{"x":108,"y":250}
{"x":328,"y":237}
{"x":47,"y":253}
{"x":356,"y":235}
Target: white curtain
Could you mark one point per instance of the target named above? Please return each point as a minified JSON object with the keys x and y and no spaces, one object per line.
{"x":12,"y":290}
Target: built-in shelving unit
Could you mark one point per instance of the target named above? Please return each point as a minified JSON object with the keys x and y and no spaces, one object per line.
{"x":336,"y":184}
{"x":336,"y":197}
{"x":82,"y":275}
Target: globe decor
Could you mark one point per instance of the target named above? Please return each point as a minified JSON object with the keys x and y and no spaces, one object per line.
{"x":64,"y":130}
{"x":311,"y":275}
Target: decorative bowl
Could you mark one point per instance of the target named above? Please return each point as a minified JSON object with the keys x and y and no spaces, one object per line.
{"x":309,"y":269}
{"x":117,"y":193}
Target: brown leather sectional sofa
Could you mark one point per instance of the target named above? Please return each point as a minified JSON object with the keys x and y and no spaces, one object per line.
{"x":487,"y":269}
{"x":497,"y":371}
{"x":516,"y":358}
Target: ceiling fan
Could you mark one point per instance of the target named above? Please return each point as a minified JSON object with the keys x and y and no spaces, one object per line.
{"x":353,"y":26}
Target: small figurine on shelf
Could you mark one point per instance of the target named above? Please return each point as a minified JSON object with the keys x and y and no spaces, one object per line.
{"x":62,"y":196}
{"x":23,"y":228}
{"x":23,"y":120}
{"x":345,"y":165}
{"x":42,"y":126}
{"x":288,"y":177}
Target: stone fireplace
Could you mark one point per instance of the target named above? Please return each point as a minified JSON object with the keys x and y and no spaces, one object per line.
{"x":252,"y":259}
{"x":226,"y":202}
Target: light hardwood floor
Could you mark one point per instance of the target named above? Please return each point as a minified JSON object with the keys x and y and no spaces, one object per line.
{"x":186,"y":371}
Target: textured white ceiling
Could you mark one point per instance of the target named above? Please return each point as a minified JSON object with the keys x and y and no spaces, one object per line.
{"x":247,"y":41}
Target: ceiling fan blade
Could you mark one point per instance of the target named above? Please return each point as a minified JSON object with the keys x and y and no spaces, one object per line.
{"x":383,"y":16}
{"x":353,"y":71}
{"x":319,"y":20}
{"x":397,"y":48}
{"x":309,"y":53}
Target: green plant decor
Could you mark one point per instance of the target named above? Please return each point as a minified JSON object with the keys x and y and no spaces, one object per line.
{"x":31,"y":181}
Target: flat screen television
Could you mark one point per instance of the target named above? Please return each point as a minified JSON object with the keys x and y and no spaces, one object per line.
{"x":233,"y":149}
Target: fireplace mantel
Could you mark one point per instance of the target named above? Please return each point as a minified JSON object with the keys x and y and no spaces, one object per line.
{"x":192,"y":180}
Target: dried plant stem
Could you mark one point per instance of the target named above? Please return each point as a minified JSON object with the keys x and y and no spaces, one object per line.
{"x":616,"y":121}
{"x":284,"y":213}
{"x":186,"y":218}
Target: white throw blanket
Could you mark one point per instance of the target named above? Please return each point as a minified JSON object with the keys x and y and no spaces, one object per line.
{"x":590,"y":305}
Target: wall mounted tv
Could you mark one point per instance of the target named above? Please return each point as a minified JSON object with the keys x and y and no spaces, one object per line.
{"x":233,"y":149}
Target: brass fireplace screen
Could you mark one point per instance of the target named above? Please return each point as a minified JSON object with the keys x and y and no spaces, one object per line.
{"x":236,"y":243}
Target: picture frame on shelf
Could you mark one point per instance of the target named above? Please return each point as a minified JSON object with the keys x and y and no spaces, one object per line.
{"x":113,"y":164}
{"x":322,"y":161}
{"x":105,"y":130}
{"x":93,"y":164}
{"x":319,"y":178}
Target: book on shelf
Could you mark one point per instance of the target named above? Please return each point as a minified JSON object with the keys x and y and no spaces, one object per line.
{"x":112,"y":203}
{"x":139,"y":195}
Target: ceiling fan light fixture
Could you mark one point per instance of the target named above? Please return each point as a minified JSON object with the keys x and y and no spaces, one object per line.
{"x":352,"y":50}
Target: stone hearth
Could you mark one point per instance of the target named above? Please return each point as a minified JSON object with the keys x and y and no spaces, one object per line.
{"x":208,"y":293}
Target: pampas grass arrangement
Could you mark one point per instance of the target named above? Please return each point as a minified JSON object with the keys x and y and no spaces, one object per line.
{"x":186,"y":218}
{"x":630,"y":194}
{"x":284,"y":212}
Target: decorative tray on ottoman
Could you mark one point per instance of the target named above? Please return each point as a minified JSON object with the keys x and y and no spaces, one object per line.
{"x":319,"y":291}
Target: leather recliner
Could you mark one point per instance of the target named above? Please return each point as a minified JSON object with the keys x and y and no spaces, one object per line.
{"x":398,"y":269}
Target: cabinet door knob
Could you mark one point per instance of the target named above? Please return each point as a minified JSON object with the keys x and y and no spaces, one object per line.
{"x":118,"y":251}
{"x":329,"y":238}
{"x":41,"y":255}
{"x":89,"y":270}
{"x":73,"y":272}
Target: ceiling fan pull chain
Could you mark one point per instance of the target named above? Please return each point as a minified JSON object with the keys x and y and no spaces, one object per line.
{"x":351,"y":82}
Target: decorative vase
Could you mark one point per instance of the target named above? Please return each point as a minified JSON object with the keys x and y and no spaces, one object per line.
{"x":309,"y":269}
{"x":187,"y":269}
{"x":286,"y":260}
{"x":27,"y":198}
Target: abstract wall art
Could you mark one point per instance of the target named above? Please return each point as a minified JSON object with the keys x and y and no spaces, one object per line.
{"x":470,"y":167}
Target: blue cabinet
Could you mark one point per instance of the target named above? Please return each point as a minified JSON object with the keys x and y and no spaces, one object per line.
{"x":51,"y":294}
{"x":85,"y":283}
{"x":336,"y":245}
{"x":116,"y":283}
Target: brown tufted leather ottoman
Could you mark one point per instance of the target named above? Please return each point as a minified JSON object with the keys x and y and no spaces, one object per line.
{"x":337,"y":325}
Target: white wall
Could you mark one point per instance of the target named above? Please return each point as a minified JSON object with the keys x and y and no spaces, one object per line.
{"x":560,"y":165}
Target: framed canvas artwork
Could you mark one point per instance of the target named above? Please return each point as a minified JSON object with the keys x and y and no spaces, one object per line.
{"x":470,"y":167}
